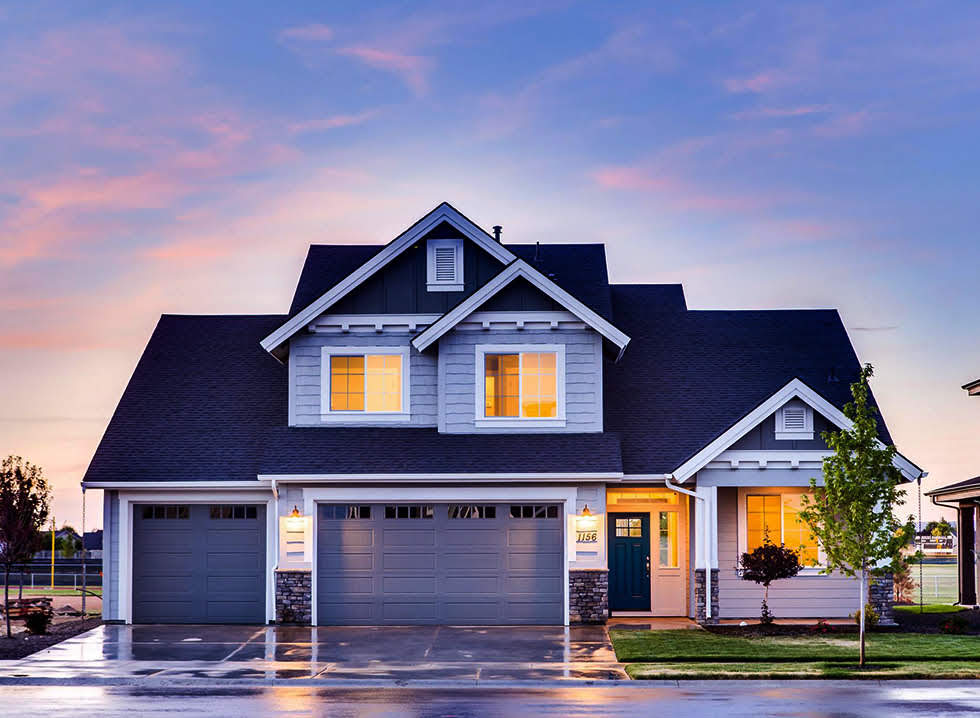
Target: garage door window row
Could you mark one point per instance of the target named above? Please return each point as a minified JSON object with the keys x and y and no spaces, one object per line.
{"x":471,"y":511}
{"x":166,"y":511}
{"x":534,"y":511}
{"x":413,"y":511}
{"x":345,"y":512}
{"x":232,"y":511}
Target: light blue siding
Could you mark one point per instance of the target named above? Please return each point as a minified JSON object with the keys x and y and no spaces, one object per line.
{"x":304,"y":378}
{"x":583,"y":378}
{"x":110,"y":557}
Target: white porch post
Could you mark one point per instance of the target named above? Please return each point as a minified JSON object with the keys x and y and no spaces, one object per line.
{"x":706,"y":541}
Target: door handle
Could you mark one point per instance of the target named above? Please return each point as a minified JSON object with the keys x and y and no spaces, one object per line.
{"x":648,"y":566}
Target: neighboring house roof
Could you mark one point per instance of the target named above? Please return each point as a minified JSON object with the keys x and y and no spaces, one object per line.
{"x":519,"y":269}
{"x":689,"y":376}
{"x":206,"y":403}
{"x":93,"y":540}
{"x":960,"y":486}
{"x":972,"y":387}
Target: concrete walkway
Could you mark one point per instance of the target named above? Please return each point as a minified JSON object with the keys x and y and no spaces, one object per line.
{"x":150,"y":655}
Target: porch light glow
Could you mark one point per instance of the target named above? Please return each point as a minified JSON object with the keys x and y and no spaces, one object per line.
{"x":295,"y":523}
{"x":585,"y":511}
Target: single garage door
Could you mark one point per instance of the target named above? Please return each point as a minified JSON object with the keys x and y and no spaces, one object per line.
{"x":199,"y":563}
{"x":453,"y":564}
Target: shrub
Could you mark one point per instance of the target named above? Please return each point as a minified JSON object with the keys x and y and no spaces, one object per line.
{"x":821,"y":626}
{"x":38,"y":621}
{"x":954,"y":625}
{"x":768,"y":563}
{"x":870,"y":616}
{"x":903,"y":582}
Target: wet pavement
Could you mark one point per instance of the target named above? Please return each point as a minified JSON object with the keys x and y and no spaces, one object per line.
{"x":149,"y":655}
{"x":809,"y":699}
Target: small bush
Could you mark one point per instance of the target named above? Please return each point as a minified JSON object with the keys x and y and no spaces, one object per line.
{"x":821,"y":626}
{"x":954,"y":625}
{"x":38,"y":621}
{"x":870,"y":616}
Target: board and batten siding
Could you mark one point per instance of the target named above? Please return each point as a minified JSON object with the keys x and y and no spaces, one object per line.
{"x":813,"y":596}
{"x":305,"y":378}
{"x":583,"y":378}
{"x":110,"y":557}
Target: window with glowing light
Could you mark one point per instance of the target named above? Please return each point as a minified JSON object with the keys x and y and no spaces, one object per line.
{"x":369,"y":383}
{"x":779,"y":516}
{"x":521,"y":385}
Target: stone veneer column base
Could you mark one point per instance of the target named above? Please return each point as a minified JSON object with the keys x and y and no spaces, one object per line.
{"x":588,"y":595}
{"x":881,"y":595}
{"x":699,"y":614}
{"x":294,"y":593}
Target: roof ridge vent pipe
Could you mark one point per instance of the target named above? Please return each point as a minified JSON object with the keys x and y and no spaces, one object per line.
{"x":497,"y":229}
{"x":537,"y":252}
{"x":707,"y":562}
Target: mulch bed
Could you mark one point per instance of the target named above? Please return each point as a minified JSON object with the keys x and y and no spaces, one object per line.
{"x":24,"y":644}
{"x":931,"y":622}
{"x":756,"y":630}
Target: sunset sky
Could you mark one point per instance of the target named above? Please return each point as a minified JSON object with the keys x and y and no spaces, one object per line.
{"x":181,"y":158}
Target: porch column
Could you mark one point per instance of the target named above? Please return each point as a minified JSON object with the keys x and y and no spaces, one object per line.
{"x":706,"y":553}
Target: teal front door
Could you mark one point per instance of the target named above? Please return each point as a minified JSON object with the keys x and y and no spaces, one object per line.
{"x":629,"y":562}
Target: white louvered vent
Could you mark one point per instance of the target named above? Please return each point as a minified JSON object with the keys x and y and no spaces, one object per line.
{"x":445,"y":261}
{"x":445,"y":265}
{"x":794,"y":418}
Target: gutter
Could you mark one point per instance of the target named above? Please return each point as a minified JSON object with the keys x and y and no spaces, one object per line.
{"x":707,"y":562}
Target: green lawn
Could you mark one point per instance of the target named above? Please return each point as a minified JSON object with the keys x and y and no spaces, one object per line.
{"x":686,"y":646}
{"x":58,"y":591}
{"x":804,"y":670}
{"x":930,"y":608}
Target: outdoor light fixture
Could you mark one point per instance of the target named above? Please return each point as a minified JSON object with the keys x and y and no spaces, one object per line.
{"x":295,"y":521}
{"x":585,"y":511}
{"x":586,"y":527}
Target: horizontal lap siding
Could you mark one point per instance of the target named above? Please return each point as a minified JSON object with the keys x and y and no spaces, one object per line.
{"x":110,"y":592}
{"x":832,"y":596}
{"x":306,"y":378}
{"x":583,"y":377}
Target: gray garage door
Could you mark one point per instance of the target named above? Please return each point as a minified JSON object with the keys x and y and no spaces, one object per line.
{"x":199,"y":563}
{"x":439,"y":564}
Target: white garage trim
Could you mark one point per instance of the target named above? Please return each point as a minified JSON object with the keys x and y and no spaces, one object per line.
{"x":566,"y":495}
{"x":128,"y":498}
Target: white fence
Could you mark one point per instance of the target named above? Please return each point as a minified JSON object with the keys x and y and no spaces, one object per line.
{"x":35,"y":580}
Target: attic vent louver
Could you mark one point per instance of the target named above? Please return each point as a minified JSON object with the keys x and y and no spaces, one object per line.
{"x":794,"y":418}
{"x":794,"y":421}
{"x":444,"y":265}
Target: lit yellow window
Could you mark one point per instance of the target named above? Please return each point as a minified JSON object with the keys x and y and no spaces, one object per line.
{"x":668,"y":557}
{"x":370,"y":383}
{"x":762,"y":514}
{"x":796,"y":534}
{"x":502,"y":384}
{"x":521,"y":385}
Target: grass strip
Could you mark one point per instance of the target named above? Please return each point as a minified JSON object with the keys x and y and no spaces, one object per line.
{"x":804,"y":670}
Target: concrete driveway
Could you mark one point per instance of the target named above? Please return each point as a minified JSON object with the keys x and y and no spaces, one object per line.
{"x":151,"y":654}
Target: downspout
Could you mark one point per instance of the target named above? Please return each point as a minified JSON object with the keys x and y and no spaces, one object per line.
{"x":707,"y":528}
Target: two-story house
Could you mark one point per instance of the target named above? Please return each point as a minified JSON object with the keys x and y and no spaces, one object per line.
{"x":450,"y":429}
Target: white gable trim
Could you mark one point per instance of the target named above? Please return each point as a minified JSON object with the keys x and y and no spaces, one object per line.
{"x":794,"y":389}
{"x":445,"y":212}
{"x":520,"y":268}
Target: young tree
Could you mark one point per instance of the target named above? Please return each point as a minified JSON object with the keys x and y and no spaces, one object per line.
{"x":24,"y":495}
{"x":942,"y":529}
{"x":852,"y":514}
{"x":768,"y":563}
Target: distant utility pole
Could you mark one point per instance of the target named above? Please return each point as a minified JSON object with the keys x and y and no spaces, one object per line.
{"x":52,"y":552}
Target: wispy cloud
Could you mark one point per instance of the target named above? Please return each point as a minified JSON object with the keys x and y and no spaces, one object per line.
{"x":332,"y":122}
{"x":315,"y":32}
{"x":412,"y":69}
{"x":782,"y":112}
{"x":759,"y":82}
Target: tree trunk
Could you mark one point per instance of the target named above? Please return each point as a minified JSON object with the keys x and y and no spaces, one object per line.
{"x":6,"y":596}
{"x":20,"y":585}
{"x":861,"y":629}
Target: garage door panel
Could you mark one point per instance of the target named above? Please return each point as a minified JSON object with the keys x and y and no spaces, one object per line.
{"x":198,"y":563}
{"x":443,"y":569}
{"x":345,"y":537}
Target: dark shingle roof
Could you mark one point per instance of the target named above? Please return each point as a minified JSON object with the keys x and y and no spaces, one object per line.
{"x":687,"y":376}
{"x":579,"y":269}
{"x":973,"y":483}
{"x":207,"y":403}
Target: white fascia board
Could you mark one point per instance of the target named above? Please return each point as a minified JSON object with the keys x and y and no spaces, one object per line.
{"x":443,"y":213}
{"x":520,"y":268}
{"x":577,"y":477}
{"x":176,"y":485}
{"x":794,"y":389}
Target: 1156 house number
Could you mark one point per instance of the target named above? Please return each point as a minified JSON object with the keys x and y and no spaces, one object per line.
{"x":587,"y":536}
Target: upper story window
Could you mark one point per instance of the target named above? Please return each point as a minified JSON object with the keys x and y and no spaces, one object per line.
{"x":777,"y":517}
{"x":357,"y":383}
{"x":521,"y":383}
{"x":794,"y":421}
{"x":444,"y":262}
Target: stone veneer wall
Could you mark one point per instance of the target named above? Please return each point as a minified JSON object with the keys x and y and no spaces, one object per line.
{"x":699,"y":614}
{"x":588,"y":595}
{"x":881,"y":595}
{"x":294,"y":592}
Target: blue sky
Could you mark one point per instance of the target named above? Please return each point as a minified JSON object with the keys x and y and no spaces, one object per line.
{"x":180,"y":157}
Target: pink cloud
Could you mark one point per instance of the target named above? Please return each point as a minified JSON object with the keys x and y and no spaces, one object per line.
{"x":844,"y":125}
{"x":314,"y":32}
{"x":780,"y":112}
{"x":411,"y":68}
{"x":759,"y":82}
{"x":332,"y":122}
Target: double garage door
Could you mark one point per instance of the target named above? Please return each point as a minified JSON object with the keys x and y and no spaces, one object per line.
{"x":477,"y":564}
{"x":199,"y":563}
{"x":377,"y":564}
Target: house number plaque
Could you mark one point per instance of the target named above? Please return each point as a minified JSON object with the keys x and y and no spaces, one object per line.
{"x":587,"y":536}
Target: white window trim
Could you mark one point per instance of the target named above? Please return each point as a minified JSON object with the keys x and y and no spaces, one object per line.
{"x":366,"y":417}
{"x":782,"y":433}
{"x":510,"y":422}
{"x":743,"y":523}
{"x":432,"y":284}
